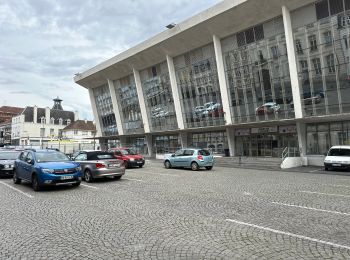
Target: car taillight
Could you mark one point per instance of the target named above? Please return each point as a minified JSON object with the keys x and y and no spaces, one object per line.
{"x":100,"y":165}
{"x":200,"y":157}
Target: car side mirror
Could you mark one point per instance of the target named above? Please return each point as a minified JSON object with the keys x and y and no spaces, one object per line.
{"x":173,"y":155}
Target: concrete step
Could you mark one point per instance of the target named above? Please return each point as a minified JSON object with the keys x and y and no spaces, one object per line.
{"x":265,"y":163}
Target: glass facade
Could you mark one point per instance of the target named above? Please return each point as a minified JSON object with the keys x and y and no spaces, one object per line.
{"x":197,"y":80}
{"x":129,"y":107}
{"x":215,"y":141}
{"x":257,"y":73}
{"x":158,"y":97}
{"x":166,"y":144}
{"x":322,"y":50}
{"x":137,"y":143}
{"x":320,"y":137}
{"x":105,"y":112}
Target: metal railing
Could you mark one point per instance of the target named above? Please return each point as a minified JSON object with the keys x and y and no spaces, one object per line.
{"x":290,"y":152}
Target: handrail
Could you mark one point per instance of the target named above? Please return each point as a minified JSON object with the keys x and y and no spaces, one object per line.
{"x":289,"y":152}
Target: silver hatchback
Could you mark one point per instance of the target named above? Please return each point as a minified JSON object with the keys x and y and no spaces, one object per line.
{"x":97,"y":164}
{"x":190,"y":158}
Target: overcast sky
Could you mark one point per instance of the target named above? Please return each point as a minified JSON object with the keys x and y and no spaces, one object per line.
{"x":43,"y":43}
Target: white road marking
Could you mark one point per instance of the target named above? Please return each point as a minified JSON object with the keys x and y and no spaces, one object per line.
{"x":327,"y":194}
{"x":345,"y":186}
{"x":315,"y":170}
{"x":25,"y":194}
{"x":166,"y":174}
{"x":88,"y":186}
{"x":247,"y":193}
{"x":303,"y":207}
{"x":289,"y":234}
{"x":129,"y":179}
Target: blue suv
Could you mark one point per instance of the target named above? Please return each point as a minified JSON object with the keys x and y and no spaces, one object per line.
{"x":46,"y":167}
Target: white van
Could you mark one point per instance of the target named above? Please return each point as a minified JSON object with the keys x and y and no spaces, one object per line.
{"x":338,"y":157}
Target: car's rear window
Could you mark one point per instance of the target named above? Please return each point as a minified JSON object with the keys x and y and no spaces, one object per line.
{"x":100,"y":156}
{"x":203,"y":152}
{"x":339,"y":152}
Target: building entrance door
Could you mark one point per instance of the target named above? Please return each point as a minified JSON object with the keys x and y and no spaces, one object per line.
{"x":262,"y":145}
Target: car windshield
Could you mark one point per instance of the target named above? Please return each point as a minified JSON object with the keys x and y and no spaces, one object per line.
{"x":128,"y":152}
{"x":203,"y":152}
{"x":51,"y":157}
{"x":339,"y":152}
{"x":9,"y":155}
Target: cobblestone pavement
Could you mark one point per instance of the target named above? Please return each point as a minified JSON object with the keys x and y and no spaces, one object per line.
{"x":154,"y":213}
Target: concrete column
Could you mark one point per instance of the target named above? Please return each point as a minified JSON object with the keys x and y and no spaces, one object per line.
{"x":231,"y":141}
{"x":149,"y":143}
{"x":183,"y":136}
{"x":141,"y":101}
{"x":301,"y":129}
{"x":293,"y":69}
{"x":94,"y":111}
{"x":35,"y":114}
{"x":176,"y":93}
{"x":222,"y":80}
{"x":116,"y":107}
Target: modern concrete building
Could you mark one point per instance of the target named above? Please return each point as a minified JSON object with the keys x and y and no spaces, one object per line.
{"x":252,"y":76}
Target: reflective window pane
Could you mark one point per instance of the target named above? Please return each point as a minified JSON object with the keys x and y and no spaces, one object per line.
{"x":129,"y":107}
{"x":197,"y":80}
{"x":158,"y":97}
{"x":105,"y":110}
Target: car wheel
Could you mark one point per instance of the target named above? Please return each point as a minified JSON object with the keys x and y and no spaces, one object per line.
{"x":194,"y":166}
{"x":127,"y":165}
{"x":35,"y":183}
{"x":88,"y":176}
{"x":76,"y":184}
{"x":167,"y":164}
{"x":326,"y":168}
{"x":141,"y":165}
{"x":209,"y":168}
{"x":16,"y":180}
{"x":117,"y":177}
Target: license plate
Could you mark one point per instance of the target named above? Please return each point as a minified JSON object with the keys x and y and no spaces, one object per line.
{"x":66,"y":177}
{"x":113,"y":165}
{"x":139,"y":162}
{"x":336,"y":164}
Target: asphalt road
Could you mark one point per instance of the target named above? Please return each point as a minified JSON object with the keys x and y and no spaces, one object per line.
{"x":154,"y":213}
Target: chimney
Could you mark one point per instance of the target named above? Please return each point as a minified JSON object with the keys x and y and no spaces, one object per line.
{"x":76,"y":116}
{"x":35,"y":114}
{"x":47,"y":115}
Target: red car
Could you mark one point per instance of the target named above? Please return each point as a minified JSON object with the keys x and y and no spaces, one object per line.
{"x":129,"y":156}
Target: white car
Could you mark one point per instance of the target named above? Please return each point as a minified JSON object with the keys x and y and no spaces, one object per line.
{"x":338,"y":157}
{"x":210,"y":106}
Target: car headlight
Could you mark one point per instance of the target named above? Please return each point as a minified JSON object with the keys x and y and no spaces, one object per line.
{"x":132,"y":159}
{"x":78,"y":168}
{"x":48,"y":170}
{"x":6,"y":166}
{"x":327,"y":161}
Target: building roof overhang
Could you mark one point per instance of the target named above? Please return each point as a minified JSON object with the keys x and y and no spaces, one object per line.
{"x":222,"y":20}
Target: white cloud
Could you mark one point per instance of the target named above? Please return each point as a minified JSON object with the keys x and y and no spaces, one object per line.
{"x":44,"y":43}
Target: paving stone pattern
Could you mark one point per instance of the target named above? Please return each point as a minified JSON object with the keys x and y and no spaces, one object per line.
{"x":154,"y":213}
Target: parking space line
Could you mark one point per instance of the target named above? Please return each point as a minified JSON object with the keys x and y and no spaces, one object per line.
{"x":15,"y":189}
{"x":289,"y":234}
{"x":129,"y":179}
{"x":303,"y":207}
{"x":88,"y":186}
{"x":345,"y":186}
{"x":327,"y":194}
{"x":165,"y":174}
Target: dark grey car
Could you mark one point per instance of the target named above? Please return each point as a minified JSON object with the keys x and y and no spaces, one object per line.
{"x":7,"y":161}
{"x":97,"y":164}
